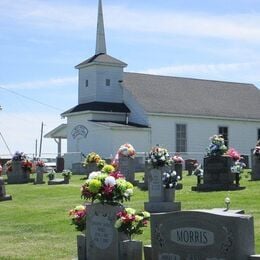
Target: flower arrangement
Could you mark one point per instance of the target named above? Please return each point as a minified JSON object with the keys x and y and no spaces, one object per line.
{"x":256,"y":151}
{"x":51,"y":175}
{"x":27,"y":165}
{"x":1,"y":169}
{"x":108,"y":168}
{"x":177,"y":159}
{"x":235,"y":155}
{"x":40,"y":163}
{"x":170,"y":179}
{"x":217,"y":146}
{"x":78,"y":217}
{"x":66,"y":174}
{"x":131,"y":222}
{"x":159,"y":157}
{"x":101,"y":163}
{"x":19,"y":156}
{"x":238,"y":167}
{"x":8,"y":166}
{"x":91,"y":158}
{"x":106,"y":188}
{"x":127,"y":150}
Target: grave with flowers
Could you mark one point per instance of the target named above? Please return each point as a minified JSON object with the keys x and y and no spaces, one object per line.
{"x":255,"y":161}
{"x":125,"y":163}
{"x":178,"y":164}
{"x":39,"y":172}
{"x":3,"y":196}
{"x":57,"y":181}
{"x":18,"y":169}
{"x":109,"y":225}
{"x":162,"y":182}
{"x":222,"y":167}
{"x":93,"y":162}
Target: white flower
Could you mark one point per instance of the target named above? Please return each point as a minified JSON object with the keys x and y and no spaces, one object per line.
{"x":118,"y":223}
{"x":110,"y":180}
{"x":93,"y":175}
{"x":129,"y":192}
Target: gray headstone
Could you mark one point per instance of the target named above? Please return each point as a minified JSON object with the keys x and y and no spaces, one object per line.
{"x":131,"y":250}
{"x":78,"y":168}
{"x":127,"y":167}
{"x":81,"y":246}
{"x":160,"y":199}
{"x":3,"y":195}
{"x":39,"y":175}
{"x":178,"y":169}
{"x":102,"y":237}
{"x":18,"y":174}
{"x":202,"y":235}
{"x":217,"y":175}
{"x":91,"y":167}
{"x":255,"y":175}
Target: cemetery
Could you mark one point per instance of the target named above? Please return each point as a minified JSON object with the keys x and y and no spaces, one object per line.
{"x":105,"y":214}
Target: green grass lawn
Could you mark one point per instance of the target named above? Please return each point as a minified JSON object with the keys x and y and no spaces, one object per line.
{"x":35,"y":224}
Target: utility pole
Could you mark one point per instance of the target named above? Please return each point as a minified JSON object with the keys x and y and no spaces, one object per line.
{"x":40,"y":149}
{"x":36,"y":148}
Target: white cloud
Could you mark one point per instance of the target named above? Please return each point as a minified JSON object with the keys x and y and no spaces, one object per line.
{"x":48,"y":83}
{"x":245,"y":72}
{"x":75,"y":17}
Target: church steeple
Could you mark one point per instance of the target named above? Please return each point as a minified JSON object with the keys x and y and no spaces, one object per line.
{"x":100,"y":38}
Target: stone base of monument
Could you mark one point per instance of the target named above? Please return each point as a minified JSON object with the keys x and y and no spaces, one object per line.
{"x":131,"y":250}
{"x":148,"y":252}
{"x":38,"y":182}
{"x":56,"y":182}
{"x":216,"y":187}
{"x":6,"y":197}
{"x":156,"y":207}
{"x":254,"y":257}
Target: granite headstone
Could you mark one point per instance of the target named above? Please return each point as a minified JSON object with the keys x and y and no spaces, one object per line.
{"x":202,"y":235}
{"x":3,"y":195}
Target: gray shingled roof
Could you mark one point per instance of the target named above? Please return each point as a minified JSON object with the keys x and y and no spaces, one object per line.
{"x":101,"y":58}
{"x":195,"y":97}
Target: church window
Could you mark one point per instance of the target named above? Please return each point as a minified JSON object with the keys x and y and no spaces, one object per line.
{"x":181,"y":138}
{"x":86,"y":83}
{"x":107,"y":82}
{"x":223,"y":130}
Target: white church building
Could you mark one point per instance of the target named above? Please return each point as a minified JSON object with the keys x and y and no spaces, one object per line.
{"x":180,"y":114}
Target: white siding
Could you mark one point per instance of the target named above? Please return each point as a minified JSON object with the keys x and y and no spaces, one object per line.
{"x":242,"y":135}
{"x":137,"y":114}
{"x":97,"y":89}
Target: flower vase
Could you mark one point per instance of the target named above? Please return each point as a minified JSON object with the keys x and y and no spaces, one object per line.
{"x":169,"y":195}
{"x":131,"y":250}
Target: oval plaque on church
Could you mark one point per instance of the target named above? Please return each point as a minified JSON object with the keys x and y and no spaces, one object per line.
{"x":79,"y":130}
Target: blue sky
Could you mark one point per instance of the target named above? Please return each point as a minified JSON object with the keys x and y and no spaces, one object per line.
{"x":42,"y":40}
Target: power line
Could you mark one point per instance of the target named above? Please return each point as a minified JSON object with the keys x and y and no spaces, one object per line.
{"x":34,"y":100}
{"x":5,"y":144}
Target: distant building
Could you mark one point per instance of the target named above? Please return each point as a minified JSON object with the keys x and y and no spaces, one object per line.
{"x":180,"y":114}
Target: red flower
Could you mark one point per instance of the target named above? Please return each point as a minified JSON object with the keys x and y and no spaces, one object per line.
{"x":117,"y":175}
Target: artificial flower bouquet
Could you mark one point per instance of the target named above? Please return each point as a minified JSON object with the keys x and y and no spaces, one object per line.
{"x":217,"y":146}
{"x":27,"y":165}
{"x":238,"y":167}
{"x":256,"y":151}
{"x":66,"y":174}
{"x":127,"y":150}
{"x":131,"y":222}
{"x":177,"y":159}
{"x":91,"y":158}
{"x":109,"y":188}
{"x":170,"y":179}
{"x":40,"y":163}
{"x":78,"y":217}
{"x":159,"y":157}
{"x":235,"y":155}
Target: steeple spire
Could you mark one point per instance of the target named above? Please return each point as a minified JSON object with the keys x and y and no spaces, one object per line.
{"x":100,"y":38}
